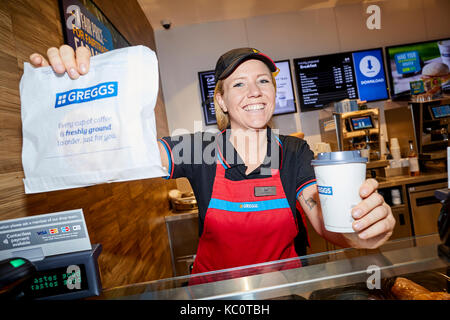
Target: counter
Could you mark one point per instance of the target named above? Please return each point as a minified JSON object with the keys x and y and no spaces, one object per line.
{"x":335,"y":269}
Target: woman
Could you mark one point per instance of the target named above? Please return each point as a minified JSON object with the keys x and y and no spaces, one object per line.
{"x":249,"y":194}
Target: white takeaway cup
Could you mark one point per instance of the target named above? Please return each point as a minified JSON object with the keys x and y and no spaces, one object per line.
{"x":281,"y":97}
{"x":339,"y":176}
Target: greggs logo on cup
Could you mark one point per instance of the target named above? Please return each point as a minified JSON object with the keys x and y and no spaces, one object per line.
{"x":99,"y":91}
{"x":325,"y":190}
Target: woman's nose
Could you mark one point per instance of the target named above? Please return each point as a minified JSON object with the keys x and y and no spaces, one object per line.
{"x":254,"y":90}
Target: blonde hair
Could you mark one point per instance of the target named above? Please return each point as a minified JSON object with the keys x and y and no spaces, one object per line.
{"x":222,"y":118}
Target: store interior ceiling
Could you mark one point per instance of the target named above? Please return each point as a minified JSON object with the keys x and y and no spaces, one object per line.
{"x":187,"y":12}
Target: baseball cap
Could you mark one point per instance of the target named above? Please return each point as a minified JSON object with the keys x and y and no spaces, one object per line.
{"x":233,"y":58}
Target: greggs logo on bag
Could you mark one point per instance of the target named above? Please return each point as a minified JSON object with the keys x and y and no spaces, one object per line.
{"x":100,"y":91}
{"x":325,"y":190}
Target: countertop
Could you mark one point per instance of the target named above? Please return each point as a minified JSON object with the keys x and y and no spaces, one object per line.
{"x":333,"y":269}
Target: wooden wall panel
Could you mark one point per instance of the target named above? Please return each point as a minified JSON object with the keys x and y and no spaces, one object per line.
{"x":126,"y":218}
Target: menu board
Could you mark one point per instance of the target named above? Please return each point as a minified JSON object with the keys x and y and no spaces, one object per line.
{"x":285,"y":98}
{"x":330,"y":78}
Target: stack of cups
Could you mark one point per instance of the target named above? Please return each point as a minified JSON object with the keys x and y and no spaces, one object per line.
{"x":396,"y":198}
{"x":395,"y":149}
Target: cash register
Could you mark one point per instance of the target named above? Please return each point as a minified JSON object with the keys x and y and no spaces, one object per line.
{"x":67,"y":276}
{"x":48,"y":256}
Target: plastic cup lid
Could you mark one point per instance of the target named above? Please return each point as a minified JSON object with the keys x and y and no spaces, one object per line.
{"x":339,"y":157}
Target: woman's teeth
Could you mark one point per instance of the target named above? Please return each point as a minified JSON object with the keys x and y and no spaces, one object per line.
{"x":253,"y":107}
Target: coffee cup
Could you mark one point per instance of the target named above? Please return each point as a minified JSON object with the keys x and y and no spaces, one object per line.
{"x":339,"y":176}
{"x":281,"y":97}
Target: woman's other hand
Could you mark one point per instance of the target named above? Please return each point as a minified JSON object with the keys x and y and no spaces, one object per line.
{"x":64,"y":59}
{"x":374,"y":222}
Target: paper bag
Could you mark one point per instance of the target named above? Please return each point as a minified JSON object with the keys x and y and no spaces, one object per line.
{"x":96,"y":129}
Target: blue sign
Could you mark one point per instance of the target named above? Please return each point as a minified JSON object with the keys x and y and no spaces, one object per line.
{"x":370,"y":77}
{"x":83,"y":29}
{"x":326,"y":190}
{"x":100,"y":91}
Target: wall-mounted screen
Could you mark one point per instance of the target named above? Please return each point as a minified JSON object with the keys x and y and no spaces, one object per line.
{"x":285,"y":97}
{"x":333,"y":77}
{"x":417,"y":61}
{"x":284,"y":101}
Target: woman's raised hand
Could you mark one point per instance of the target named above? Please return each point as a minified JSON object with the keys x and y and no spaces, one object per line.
{"x":64,"y":59}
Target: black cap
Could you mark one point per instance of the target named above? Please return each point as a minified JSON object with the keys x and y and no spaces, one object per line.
{"x":233,"y":58}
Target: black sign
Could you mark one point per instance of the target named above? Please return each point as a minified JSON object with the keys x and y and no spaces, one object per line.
{"x":207,"y":86}
{"x":325,"y":79}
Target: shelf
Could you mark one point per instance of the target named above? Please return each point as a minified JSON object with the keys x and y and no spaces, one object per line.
{"x":433,"y":155}
{"x":362,"y":133}
{"x":434,"y":143}
{"x":432,"y":121}
{"x":398,"y":207}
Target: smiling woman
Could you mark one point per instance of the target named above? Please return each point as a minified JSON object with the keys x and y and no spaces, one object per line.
{"x":248,"y":96}
{"x":261,"y":72}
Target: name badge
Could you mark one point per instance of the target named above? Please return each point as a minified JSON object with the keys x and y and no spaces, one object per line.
{"x":265,"y":191}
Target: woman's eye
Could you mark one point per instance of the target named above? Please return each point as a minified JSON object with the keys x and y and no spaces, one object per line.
{"x":264,"y":81}
{"x":238,"y":84}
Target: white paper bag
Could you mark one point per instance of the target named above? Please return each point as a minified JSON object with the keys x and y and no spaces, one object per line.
{"x":96,"y":129}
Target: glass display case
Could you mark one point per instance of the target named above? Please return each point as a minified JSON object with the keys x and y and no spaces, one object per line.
{"x":342,"y":274}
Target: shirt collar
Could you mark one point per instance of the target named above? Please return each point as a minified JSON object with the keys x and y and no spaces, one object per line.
{"x":231,"y":158}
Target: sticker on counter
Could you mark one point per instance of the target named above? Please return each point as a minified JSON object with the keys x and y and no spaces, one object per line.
{"x":49,"y":234}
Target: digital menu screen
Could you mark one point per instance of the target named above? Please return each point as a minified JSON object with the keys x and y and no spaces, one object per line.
{"x":417,"y":61}
{"x":362,"y":123}
{"x":285,"y":98}
{"x":330,"y":78}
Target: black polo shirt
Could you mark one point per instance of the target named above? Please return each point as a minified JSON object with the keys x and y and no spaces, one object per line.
{"x":194,"y":156}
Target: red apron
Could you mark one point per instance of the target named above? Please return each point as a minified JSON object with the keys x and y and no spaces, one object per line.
{"x":242,"y":229}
